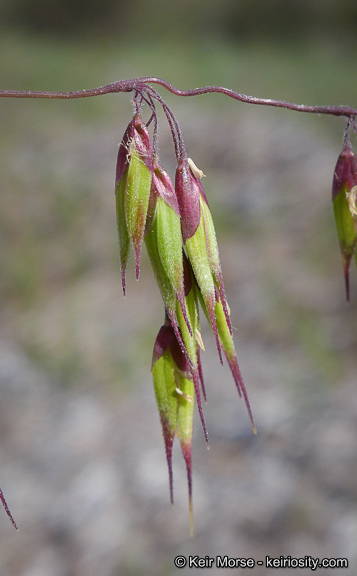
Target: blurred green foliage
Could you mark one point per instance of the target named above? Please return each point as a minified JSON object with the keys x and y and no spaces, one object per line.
{"x":242,"y":20}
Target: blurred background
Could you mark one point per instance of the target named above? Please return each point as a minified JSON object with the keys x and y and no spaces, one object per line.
{"x":82,"y":458}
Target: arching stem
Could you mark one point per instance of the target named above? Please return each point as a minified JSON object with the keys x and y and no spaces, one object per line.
{"x":139,"y":83}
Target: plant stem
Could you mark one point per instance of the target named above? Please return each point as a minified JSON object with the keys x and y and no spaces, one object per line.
{"x":139,"y":83}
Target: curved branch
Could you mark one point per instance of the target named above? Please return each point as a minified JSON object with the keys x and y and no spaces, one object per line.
{"x":331,"y":110}
{"x":125,"y":86}
{"x":130,"y":85}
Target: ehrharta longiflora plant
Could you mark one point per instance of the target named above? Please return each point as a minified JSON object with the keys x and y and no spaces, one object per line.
{"x":174,"y":222}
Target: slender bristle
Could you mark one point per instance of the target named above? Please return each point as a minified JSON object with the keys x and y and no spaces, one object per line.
{"x":179,"y":337}
{"x":238,"y":379}
{"x":223,"y":298}
{"x":190,"y":508}
{"x":181,"y":299}
{"x":137,"y":262}
{"x":196,"y":382}
{"x":346,"y":267}
{"x":123,"y":280}
{"x":186,"y":448}
{"x":7,"y":510}
{"x":212,"y":319}
{"x":169,"y":441}
{"x":200,"y":372}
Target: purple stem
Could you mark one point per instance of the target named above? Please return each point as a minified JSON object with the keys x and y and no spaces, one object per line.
{"x":139,"y":83}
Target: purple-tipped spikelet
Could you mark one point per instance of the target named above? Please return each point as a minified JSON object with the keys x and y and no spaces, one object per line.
{"x":164,"y":380}
{"x":120,"y":186}
{"x":164,"y":246}
{"x":174,"y":391}
{"x":184,"y":433}
{"x":195,"y":240}
{"x":344,"y":190}
{"x":226,"y":340}
{"x":168,"y":231}
{"x":132,"y":189}
{"x":192,"y":340}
